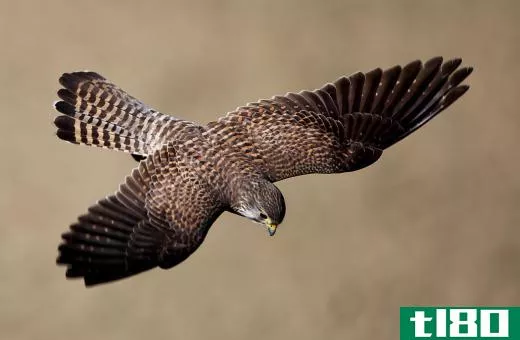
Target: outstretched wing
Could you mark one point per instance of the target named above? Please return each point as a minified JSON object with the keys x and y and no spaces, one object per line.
{"x":159,"y":216}
{"x":343,"y":126}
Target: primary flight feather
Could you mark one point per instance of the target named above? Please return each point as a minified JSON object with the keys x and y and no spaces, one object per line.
{"x":189,"y":173}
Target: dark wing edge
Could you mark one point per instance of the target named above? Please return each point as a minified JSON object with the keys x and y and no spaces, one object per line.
{"x":126,"y":234}
{"x":405,"y":98}
{"x":113,"y":239}
{"x":380,"y":108}
{"x":359,"y":116}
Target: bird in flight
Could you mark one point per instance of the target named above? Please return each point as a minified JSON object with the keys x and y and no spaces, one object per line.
{"x":188,"y":174}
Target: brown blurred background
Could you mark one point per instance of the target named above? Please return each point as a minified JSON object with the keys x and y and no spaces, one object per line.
{"x":435,"y":222}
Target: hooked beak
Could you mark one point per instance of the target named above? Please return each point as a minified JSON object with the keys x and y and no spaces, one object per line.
{"x":271,"y":227}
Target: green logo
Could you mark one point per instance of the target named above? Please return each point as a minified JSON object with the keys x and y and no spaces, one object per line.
{"x":446,"y":323}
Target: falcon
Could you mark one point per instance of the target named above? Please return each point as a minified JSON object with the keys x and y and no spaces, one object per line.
{"x":189,"y":174}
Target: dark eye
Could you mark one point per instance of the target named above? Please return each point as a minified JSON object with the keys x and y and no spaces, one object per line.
{"x":263,"y":216}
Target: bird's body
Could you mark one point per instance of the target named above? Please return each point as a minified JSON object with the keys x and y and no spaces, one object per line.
{"x":189,"y":173}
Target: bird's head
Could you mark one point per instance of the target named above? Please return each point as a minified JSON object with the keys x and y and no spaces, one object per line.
{"x":262,"y":202}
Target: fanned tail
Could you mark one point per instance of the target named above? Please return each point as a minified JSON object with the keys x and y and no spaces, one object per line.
{"x":98,"y":113}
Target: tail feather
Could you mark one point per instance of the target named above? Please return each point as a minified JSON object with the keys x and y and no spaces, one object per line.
{"x":92,"y":119}
{"x":78,"y":132}
{"x":91,"y":88}
{"x":98,"y":113}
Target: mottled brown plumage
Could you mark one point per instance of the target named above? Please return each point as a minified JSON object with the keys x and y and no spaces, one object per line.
{"x":192,"y":173}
